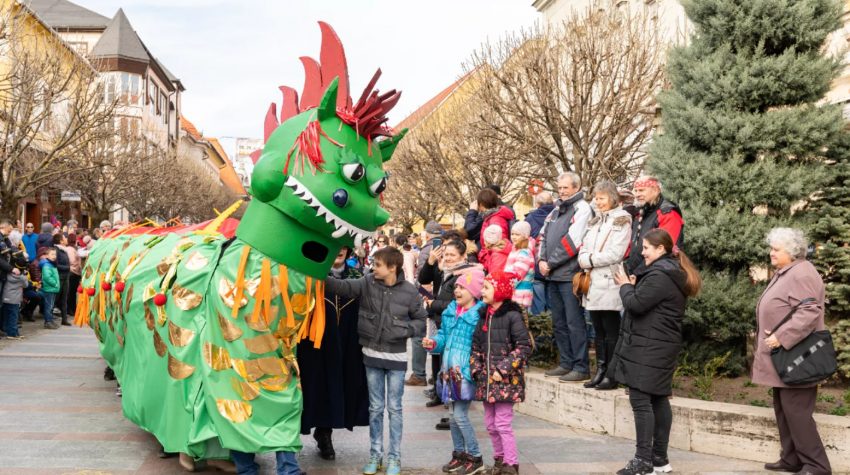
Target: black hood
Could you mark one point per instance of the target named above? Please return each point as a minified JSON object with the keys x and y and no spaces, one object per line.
{"x":669,"y":266}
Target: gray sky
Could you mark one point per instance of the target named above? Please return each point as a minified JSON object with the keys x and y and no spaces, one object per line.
{"x":233,"y":54}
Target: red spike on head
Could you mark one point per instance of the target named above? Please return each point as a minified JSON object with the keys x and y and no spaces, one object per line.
{"x":313,"y":88}
{"x":271,"y":122}
{"x":289,"y":107}
{"x":334,"y":65}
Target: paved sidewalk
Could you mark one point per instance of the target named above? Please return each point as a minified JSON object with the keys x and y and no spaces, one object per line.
{"x":58,"y":416}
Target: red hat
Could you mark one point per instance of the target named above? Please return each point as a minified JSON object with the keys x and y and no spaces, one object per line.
{"x":503,"y":284}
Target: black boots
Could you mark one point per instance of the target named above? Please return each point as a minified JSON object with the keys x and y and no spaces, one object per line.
{"x":608,"y":383}
{"x":601,"y":364}
{"x":324,"y":440}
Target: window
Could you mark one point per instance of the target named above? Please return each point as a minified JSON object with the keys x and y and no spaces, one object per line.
{"x":80,"y":47}
{"x":125,"y":87}
{"x":164,"y":101}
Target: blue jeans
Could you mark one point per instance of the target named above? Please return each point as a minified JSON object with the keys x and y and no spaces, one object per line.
{"x":419,"y":357}
{"x":386,"y":388}
{"x":568,"y":326}
{"x":47,"y":309}
{"x":539,"y":303}
{"x":10,"y":312}
{"x":287,"y":464}
{"x":463,"y":434}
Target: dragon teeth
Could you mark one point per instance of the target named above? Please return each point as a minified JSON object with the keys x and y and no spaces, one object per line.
{"x":340,"y":232}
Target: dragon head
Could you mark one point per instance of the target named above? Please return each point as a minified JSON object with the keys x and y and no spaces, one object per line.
{"x":318,"y":181}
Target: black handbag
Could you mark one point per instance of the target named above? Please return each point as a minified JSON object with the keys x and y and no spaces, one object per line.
{"x":809,"y":361}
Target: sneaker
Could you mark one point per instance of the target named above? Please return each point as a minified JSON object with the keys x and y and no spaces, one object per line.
{"x":509,"y":470}
{"x":414,"y":380}
{"x":458,"y":458}
{"x":556,"y":372}
{"x":372,"y":467}
{"x":118,"y":391}
{"x":430,"y":393}
{"x":498,"y":463}
{"x":434,"y":403}
{"x":51,"y":325}
{"x":443,"y":425}
{"x":472,"y":465}
{"x":637,"y":466}
{"x":574,"y":376}
{"x":393,"y":467}
{"x":661,"y":464}
{"x":66,"y":323}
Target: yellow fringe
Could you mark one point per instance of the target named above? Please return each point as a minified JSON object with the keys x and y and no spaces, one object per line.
{"x":212,"y":228}
{"x":81,"y":316}
{"x":239,"y":285}
{"x":263,"y":296}
{"x":101,"y":298}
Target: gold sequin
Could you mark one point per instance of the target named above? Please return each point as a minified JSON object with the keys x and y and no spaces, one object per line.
{"x":161,"y":317}
{"x":163,"y":266}
{"x":97,"y":331}
{"x":149,"y":317}
{"x":216,"y":357}
{"x":120,"y":339}
{"x":196,"y":261}
{"x":179,"y":336}
{"x":261,"y":344}
{"x":246,"y":390}
{"x":275,"y":384}
{"x":128,"y":299}
{"x":252,"y":370}
{"x":178,"y":369}
{"x":229,"y":331}
{"x":227,"y":294}
{"x":184,"y":243}
{"x":148,"y":293}
{"x":87,"y":274}
{"x":301,"y":305}
{"x":234,"y":411}
{"x":184,"y":298}
{"x":258,"y":325}
{"x":158,"y":344}
{"x":126,"y":245}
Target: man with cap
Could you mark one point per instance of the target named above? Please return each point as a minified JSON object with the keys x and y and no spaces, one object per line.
{"x":654,"y":211}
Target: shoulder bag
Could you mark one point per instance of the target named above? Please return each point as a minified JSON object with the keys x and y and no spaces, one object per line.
{"x":809,"y":361}
{"x":581,"y":281}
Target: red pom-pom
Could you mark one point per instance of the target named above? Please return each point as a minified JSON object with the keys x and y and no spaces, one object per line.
{"x":79,"y":289}
{"x":159,"y":300}
{"x":90,"y":291}
{"x":106,"y":286}
{"x":119,"y":287}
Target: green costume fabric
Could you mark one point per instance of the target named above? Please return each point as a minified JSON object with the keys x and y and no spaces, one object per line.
{"x":200,"y":329}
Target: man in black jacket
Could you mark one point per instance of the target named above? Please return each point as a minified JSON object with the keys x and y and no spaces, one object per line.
{"x":654,"y":211}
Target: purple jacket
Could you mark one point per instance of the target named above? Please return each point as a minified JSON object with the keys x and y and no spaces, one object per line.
{"x":790,"y":285}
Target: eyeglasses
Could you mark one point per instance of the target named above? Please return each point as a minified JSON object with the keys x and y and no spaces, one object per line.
{"x":29,"y":227}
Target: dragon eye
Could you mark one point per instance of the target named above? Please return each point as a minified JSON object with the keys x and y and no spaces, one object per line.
{"x":354,"y":172}
{"x":378,"y":187}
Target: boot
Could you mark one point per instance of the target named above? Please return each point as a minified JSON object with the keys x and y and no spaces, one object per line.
{"x":65,"y":322}
{"x":601,"y":364}
{"x":608,"y":381}
{"x":325,"y":442}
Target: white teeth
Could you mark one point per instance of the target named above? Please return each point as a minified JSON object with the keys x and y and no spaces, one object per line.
{"x":358,"y":240}
{"x":341,"y":226}
{"x":339,"y":233}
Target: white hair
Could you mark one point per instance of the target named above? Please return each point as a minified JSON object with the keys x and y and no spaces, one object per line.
{"x":543,"y":198}
{"x":575,"y":179}
{"x":791,"y":240}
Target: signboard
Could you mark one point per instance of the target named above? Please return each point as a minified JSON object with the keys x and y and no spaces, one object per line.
{"x":70,"y":196}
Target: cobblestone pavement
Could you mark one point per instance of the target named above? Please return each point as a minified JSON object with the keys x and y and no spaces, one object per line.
{"x":58,"y":416}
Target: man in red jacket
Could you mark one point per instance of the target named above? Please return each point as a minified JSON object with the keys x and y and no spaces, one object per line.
{"x":654,"y":211}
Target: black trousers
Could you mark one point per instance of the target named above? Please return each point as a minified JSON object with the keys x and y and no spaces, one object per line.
{"x":62,"y":298}
{"x":73,"y":283}
{"x":606,"y":326}
{"x":653,"y":419}
{"x":798,"y":433}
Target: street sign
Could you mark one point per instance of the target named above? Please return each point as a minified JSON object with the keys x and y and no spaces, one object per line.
{"x":70,"y":196}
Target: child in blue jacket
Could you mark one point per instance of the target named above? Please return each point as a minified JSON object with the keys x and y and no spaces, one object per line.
{"x":454,"y":383}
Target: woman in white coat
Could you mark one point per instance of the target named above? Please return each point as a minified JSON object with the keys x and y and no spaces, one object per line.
{"x":602,"y":253}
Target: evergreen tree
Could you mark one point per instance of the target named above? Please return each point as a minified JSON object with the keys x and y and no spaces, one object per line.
{"x":743,"y":148}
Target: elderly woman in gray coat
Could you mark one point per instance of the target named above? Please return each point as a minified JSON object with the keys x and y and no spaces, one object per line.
{"x":795,"y":279}
{"x":602,"y":252}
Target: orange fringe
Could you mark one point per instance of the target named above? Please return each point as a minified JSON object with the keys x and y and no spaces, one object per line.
{"x":101,"y":298}
{"x":239,"y":285}
{"x":263,"y":297}
{"x":283,"y":282}
{"x":81,"y":316}
{"x":313,"y":327}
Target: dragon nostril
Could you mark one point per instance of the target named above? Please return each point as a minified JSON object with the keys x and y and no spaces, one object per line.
{"x":340,"y":198}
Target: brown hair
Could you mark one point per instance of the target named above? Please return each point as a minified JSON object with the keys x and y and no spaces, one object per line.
{"x":693,"y":282}
{"x":488,"y":198}
{"x":391,"y":257}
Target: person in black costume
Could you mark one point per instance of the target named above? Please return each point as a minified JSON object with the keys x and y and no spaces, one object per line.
{"x":333,"y":378}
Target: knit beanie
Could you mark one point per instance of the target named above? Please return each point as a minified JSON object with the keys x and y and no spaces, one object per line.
{"x":471,"y":279}
{"x":503,"y":284}
{"x":492,"y":234}
{"x":522,"y":228}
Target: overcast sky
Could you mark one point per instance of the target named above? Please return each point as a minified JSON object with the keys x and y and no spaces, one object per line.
{"x":233,"y":54}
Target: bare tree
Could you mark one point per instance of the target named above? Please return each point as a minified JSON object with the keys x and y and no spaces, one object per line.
{"x":579,"y":97}
{"x":52,"y":108}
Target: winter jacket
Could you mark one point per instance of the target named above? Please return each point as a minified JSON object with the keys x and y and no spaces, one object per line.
{"x":29,"y":240}
{"x":665,"y":215}
{"x":49,"y":276}
{"x":73,"y":259}
{"x":34,"y":271}
{"x":388,"y":317}
{"x":537,"y":217}
{"x":444,"y":287}
{"x":454,"y":342}
{"x":561,"y":237}
{"x":496,"y":257}
{"x":500,"y":343}
{"x":602,"y":250}
{"x":13,"y":289}
{"x":521,"y":263}
{"x":63,"y":262}
{"x":651,"y":333}
{"x":797,"y":281}
{"x":502,"y":217}
{"x":43,"y":240}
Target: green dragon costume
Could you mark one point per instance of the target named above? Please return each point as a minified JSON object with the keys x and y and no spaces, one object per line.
{"x":200,"y":327}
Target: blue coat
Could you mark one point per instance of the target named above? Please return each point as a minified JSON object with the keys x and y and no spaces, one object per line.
{"x":454,"y":339}
{"x":29,"y":241}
